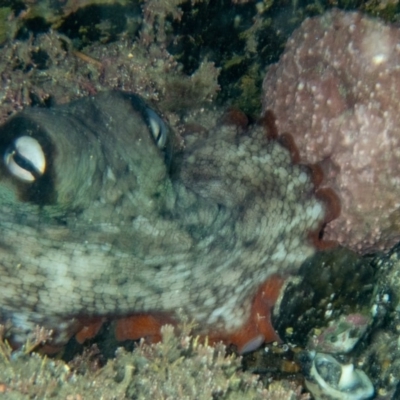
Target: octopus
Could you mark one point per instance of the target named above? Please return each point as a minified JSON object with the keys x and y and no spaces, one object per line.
{"x":103,"y":217}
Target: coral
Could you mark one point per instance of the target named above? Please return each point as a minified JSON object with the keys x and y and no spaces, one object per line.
{"x":334,"y":90}
{"x":187,"y":367}
{"x":179,"y":367}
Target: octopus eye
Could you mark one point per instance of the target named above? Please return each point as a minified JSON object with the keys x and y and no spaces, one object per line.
{"x":25,"y":159}
{"x":158,"y":128}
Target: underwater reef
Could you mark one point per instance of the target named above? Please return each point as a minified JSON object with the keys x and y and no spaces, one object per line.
{"x":236,"y":221}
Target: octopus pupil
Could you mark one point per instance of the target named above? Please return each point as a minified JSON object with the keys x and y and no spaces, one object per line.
{"x":25,"y":164}
{"x":159,"y":137}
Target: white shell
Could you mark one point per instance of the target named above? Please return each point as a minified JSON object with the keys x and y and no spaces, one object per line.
{"x":329,"y":379}
{"x":30,"y":150}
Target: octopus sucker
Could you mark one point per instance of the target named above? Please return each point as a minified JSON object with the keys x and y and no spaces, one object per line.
{"x":123,"y":226}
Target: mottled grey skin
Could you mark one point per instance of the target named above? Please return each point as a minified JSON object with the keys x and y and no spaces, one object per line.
{"x":109,"y":230}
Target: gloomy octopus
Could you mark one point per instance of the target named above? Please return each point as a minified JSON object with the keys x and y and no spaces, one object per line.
{"x":101,"y":218}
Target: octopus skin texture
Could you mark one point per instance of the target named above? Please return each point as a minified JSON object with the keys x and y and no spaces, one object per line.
{"x":118,"y":225}
{"x":335,"y":89}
